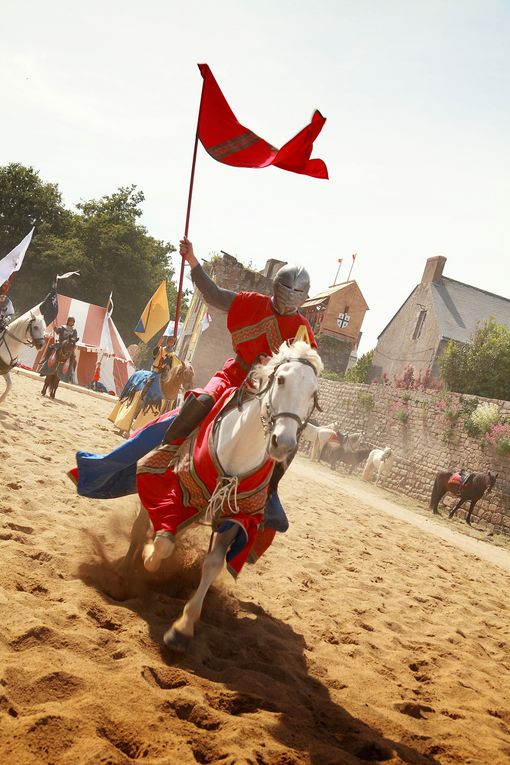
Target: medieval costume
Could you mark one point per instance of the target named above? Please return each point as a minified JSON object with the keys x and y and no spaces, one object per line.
{"x":258,"y":324}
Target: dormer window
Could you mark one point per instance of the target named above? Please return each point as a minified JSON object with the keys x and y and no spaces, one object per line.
{"x":419,"y":324}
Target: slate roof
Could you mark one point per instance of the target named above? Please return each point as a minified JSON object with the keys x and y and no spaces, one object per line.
{"x":460,"y":308}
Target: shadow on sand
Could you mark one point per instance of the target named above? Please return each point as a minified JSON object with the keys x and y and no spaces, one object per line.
{"x":251,"y":661}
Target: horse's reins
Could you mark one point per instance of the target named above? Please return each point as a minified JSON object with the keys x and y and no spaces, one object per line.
{"x":230,"y":492}
{"x":269,"y":419}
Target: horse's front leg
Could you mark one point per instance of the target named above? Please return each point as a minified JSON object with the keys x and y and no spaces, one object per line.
{"x":8,"y":386}
{"x":179,"y":636}
{"x":470,"y":511}
{"x":161,"y":547}
{"x":452,"y":512}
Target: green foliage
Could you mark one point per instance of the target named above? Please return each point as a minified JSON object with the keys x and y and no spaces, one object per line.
{"x":449,"y":433}
{"x":366,"y":400}
{"x":330,"y":375}
{"x":103,"y":240}
{"x":484,"y":416}
{"x":359,"y":372}
{"x":481,"y":367}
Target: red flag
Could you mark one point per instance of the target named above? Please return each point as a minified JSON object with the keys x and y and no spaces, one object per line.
{"x":354,"y":255}
{"x":227,"y":141}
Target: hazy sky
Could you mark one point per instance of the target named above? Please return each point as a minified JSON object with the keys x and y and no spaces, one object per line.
{"x":105,"y":93}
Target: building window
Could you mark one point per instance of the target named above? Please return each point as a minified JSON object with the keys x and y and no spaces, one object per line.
{"x":419,"y":324}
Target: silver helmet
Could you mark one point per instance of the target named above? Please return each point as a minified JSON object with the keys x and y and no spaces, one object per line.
{"x":290,"y":288}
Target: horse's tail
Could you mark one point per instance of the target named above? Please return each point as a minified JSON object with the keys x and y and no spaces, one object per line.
{"x":437,"y":491}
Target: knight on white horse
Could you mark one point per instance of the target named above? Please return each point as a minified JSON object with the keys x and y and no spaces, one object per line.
{"x":26,"y":330}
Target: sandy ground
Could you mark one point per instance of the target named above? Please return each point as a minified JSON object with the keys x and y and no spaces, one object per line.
{"x":369,"y":633}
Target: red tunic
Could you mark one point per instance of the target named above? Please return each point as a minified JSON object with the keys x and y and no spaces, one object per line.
{"x":176,"y":496}
{"x":256,"y":329}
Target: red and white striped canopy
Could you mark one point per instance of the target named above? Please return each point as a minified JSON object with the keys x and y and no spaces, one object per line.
{"x":99,"y":343}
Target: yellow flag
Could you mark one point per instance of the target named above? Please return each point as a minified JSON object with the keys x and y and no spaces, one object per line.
{"x":302,"y":334}
{"x":155,"y":316}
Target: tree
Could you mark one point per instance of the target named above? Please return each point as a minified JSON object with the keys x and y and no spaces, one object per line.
{"x":119,"y":254}
{"x":481,"y":367}
{"x":359,"y":372}
{"x":26,"y":201}
{"x":103,"y":240}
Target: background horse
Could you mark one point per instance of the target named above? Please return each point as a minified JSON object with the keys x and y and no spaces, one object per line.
{"x":345,"y":447}
{"x":318,"y":436}
{"x":148,"y":394}
{"x":247,"y":439}
{"x":380,"y":461}
{"x":59,"y":365}
{"x":473,"y":489}
{"x":172,"y":379}
{"x":26,"y":330}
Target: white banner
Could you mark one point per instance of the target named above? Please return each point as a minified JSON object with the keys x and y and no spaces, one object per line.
{"x":12,"y":262}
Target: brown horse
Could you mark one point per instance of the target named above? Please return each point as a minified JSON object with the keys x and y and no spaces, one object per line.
{"x":59,"y":365}
{"x":172,"y":379}
{"x":471,"y":487}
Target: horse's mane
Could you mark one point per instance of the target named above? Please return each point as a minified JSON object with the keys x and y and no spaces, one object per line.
{"x":298,"y":350}
{"x":27,"y":316}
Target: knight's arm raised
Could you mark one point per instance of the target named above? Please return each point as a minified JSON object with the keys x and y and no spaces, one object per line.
{"x":215,"y":296}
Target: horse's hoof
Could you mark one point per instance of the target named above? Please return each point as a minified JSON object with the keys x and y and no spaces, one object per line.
{"x":176,"y":640}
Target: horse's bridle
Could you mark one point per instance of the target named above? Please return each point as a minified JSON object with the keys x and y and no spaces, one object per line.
{"x":7,"y":332}
{"x":269,"y":418}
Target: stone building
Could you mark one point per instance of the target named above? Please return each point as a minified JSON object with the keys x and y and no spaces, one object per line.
{"x":336,"y":316}
{"x":205,"y":340}
{"x":439,"y":309}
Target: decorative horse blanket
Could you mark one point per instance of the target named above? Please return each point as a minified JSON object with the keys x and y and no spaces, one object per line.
{"x":62,"y":367}
{"x":180,"y":485}
{"x":458,"y":480}
{"x":99,"y":476}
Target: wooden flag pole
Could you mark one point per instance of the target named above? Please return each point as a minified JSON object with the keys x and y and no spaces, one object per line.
{"x":188,"y":212}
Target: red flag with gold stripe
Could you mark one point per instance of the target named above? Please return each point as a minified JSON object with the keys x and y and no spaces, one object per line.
{"x":227,"y":141}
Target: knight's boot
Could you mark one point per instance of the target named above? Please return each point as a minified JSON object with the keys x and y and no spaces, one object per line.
{"x":192,"y":413}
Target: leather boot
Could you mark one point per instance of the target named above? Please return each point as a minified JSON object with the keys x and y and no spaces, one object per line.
{"x":192,"y":413}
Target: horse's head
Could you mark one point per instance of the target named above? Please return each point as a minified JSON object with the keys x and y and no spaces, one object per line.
{"x":35,"y":330}
{"x":289,"y":386}
{"x":66,"y":349}
{"x":492,"y":481}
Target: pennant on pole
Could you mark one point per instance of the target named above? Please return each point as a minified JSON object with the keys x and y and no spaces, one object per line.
{"x":49,"y":307}
{"x":227,"y":141}
{"x":155,"y":316}
{"x":66,"y":275}
{"x":109,"y":305}
{"x":14,"y":259}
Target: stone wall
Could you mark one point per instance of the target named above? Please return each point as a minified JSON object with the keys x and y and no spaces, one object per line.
{"x":426,"y":443}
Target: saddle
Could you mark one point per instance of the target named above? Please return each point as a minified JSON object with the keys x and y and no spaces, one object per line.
{"x":458,"y":480}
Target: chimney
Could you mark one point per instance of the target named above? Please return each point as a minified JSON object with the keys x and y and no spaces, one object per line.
{"x":433,"y":270}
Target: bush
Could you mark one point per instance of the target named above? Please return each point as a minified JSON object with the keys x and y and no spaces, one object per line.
{"x":484,"y":416}
{"x":481,"y":367}
{"x":359,"y":372}
{"x":499,"y":436}
{"x":329,"y":375}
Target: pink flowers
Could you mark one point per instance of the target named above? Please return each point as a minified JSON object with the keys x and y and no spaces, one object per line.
{"x":499,"y":437}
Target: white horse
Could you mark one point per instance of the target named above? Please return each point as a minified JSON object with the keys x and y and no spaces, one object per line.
{"x":318,"y":436}
{"x":26,"y":330}
{"x":265,"y":426}
{"x":379,"y":461}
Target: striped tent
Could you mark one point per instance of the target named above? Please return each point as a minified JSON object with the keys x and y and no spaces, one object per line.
{"x":99,"y":344}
